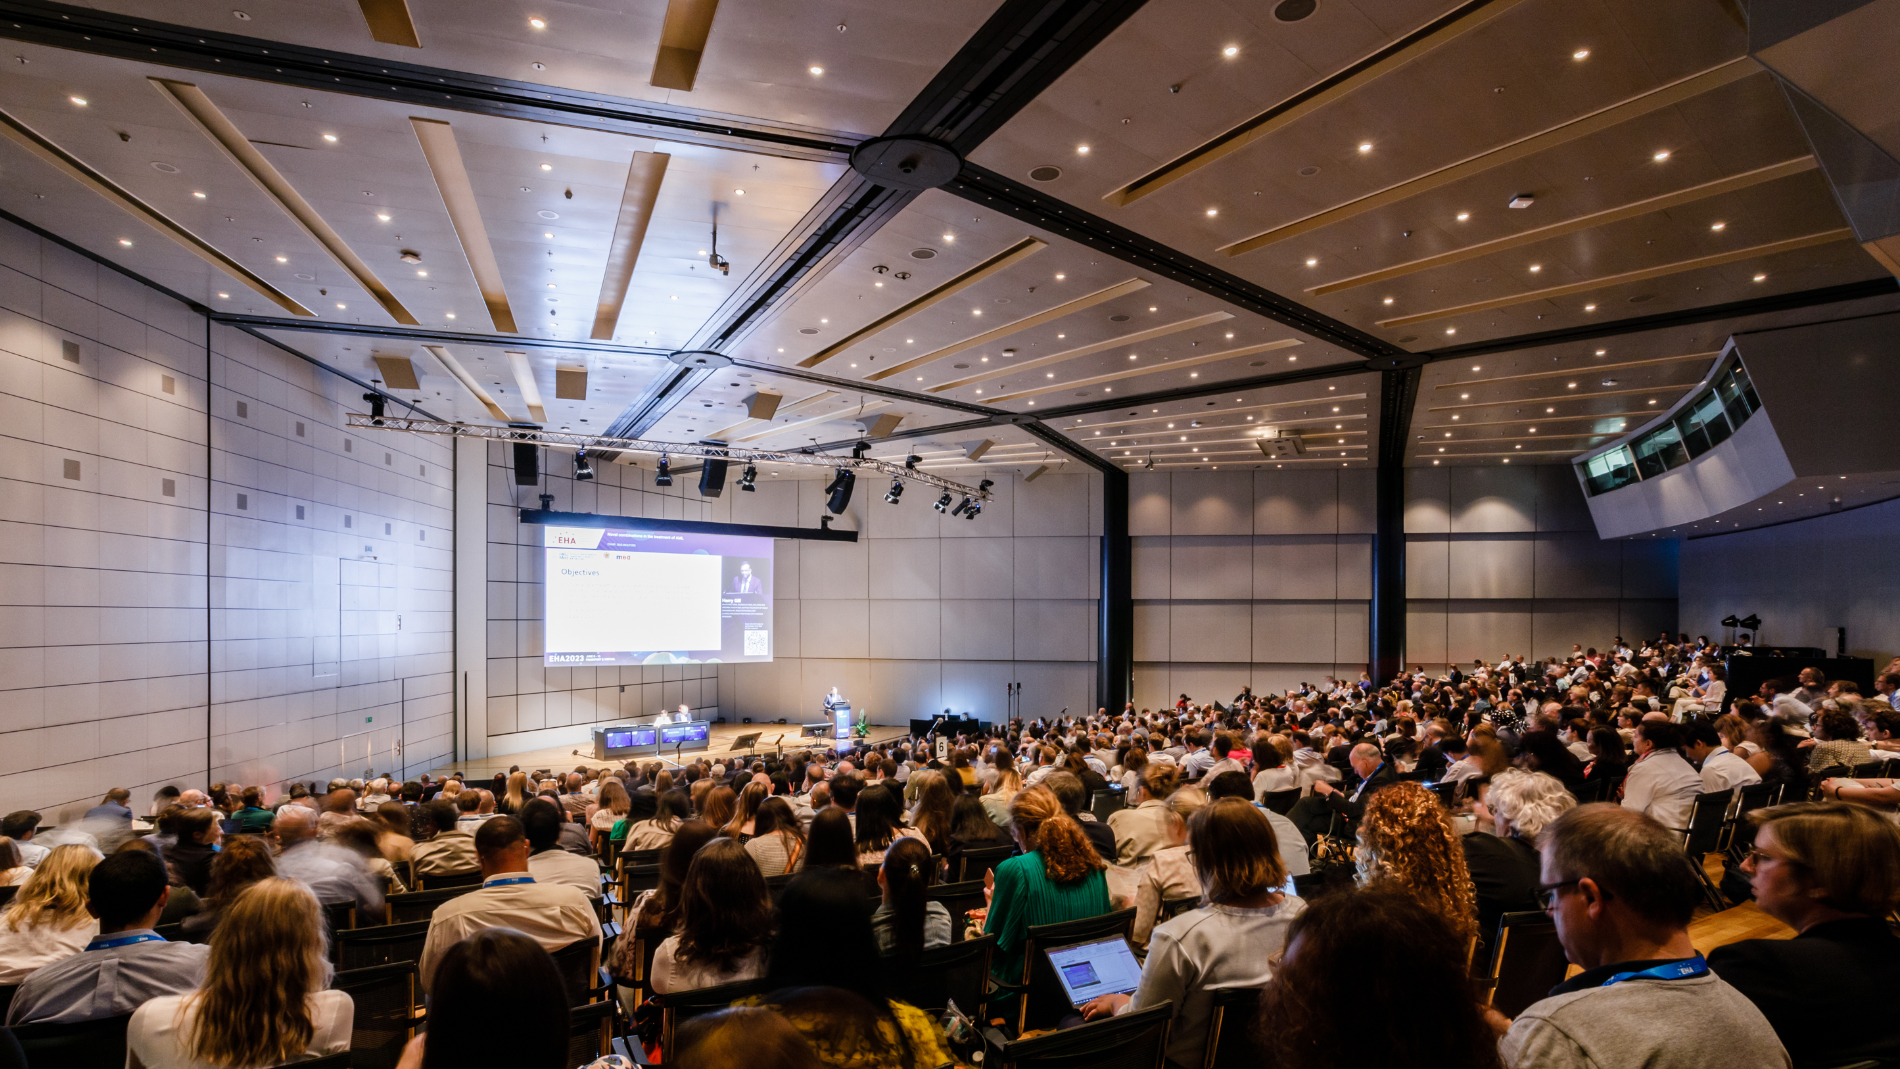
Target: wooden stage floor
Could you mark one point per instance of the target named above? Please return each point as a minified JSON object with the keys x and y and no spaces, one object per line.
{"x":563,"y":759}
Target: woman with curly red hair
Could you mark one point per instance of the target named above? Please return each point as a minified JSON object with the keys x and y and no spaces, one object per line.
{"x":1407,"y":843}
{"x":1057,"y":877}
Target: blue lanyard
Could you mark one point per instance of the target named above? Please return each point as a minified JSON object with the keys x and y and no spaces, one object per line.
{"x":1673,"y":970}
{"x":509,"y":880}
{"x":103,"y":943}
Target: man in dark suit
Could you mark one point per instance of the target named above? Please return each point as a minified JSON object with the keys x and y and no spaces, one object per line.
{"x":745,"y":582}
{"x":1316,"y":812}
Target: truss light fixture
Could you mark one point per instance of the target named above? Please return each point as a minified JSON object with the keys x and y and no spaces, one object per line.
{"x":749,"y":477}
{"x":895,"y":492}
{"x":583,"y":471}
{"x":962,"y":507}
{"x":942,"y":504}
{"x":664,"y":476}
{"x":839,"y":491}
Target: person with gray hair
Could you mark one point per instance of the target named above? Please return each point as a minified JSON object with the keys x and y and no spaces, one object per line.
{"x":1621,"y":892}
{"x":1504,"y":865}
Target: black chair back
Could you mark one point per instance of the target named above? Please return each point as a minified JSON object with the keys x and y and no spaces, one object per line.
{"x":1043,"y":1001}
{"x":959,"y":899}
{"x":1705,"y":823}
{"x":1281,"y":802}
{"x":385,"y":944}
{"x":1870,"y":769}
{"x":7,"y":991}
{"x":646,"y":942}
{"x":171,"y":933}
{"x":677,"y":1006}
{"x":339,"y":1060}
{"x":7,"y":893}
{"x":640,"y":857}
{"x":1174,"y":907}
{"x":1137,"y":1040}
{"x":341,"y":916}
{"x":88,"y":1043}
{"x":578,"y":963}
{"x":456,"y":879}
{"x":1230,"y":1043}
{"x":1104,"y":802}
{"x":1527,"y":961}
{"x":637,"y":878}
{"x":775,"y":885}
{"x":384,"y":1000}
{"x":982,"y":859}
{"x":590,"y":1032}
{"x":420,"y":905}
{"x":957,"y":973}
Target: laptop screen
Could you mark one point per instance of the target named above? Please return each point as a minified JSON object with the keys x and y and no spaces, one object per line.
{"x":1086,"y":970}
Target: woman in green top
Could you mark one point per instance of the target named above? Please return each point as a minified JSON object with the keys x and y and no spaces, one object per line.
{"x":1057,"y":877}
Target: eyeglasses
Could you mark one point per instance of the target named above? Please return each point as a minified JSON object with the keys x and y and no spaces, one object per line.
{"x":1547,"y":893}
{"x":1756,"y":856}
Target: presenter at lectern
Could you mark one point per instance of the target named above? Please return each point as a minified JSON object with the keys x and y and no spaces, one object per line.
{"x":838,"y":710}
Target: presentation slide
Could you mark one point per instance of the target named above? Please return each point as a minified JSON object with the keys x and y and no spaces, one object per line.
{"x":655,"y":597}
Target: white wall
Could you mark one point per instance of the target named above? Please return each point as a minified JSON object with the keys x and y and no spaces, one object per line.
{"x":147,"y":609}
{"x":1802,"y":579}
{"x":1507,"y":560}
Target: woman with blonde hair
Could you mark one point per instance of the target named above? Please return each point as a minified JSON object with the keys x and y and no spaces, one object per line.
{"x":1407,"y":842}
{"x":1057,"y":877}
{"x":47,"y":919}
{"x":515,"y":796}
{"x":264,"y":1000}
{"x":614,"y":804}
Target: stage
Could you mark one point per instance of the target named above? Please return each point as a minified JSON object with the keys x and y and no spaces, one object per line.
{"x":564,"y":759}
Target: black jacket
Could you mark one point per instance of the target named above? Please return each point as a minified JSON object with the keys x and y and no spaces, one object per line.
{"x":1829,"y":992}
{"x":1504,"y":875}
{"x":1343,"y":802}
{"x":1102,"y":837}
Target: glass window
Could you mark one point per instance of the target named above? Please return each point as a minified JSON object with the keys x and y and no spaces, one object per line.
{"x":1706,"y":412}
{"x":1610,"y":470}
{"x":1660,"y":450}
{"x":1748,"y":388}
{"x":1734,"y":401}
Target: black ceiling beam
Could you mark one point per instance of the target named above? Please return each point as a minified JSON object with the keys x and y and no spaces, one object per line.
{"x":980,"y":185}
{"x":1851,"y":291}
{"x":1398,"y":397}
{"x":101,"y":33}
{"x":1195,"y":393}
{"x":430,"y":336}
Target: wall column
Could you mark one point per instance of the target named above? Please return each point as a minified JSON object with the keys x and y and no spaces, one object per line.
{"x":1115,"y":615}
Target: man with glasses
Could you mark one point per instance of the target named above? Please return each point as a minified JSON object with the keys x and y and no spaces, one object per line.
{"x":1621,"y":892}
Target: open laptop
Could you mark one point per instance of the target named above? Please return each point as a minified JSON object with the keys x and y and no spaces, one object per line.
{"x":1088,"y":970}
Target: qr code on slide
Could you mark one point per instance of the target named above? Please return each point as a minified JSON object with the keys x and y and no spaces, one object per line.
{"x":755,"y":643}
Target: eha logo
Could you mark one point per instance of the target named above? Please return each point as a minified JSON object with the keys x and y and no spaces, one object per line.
{"x":567,"y":540}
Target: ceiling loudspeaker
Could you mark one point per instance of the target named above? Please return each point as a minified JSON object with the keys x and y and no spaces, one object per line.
{"x":527,"y":464}
{"x":712,"y":478}
{"x":1285,"y":445}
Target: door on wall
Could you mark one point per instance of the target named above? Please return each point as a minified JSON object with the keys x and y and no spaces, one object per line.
{"x":370,"y":721}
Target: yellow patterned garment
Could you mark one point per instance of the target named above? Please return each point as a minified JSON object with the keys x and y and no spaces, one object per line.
{"x":854,"y":1049}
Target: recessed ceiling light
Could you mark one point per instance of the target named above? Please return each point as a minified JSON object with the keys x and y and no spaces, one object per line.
{"x":1761,"y":278}
{"x":551,"y":286}
{"x":1081,"y":150}
{"x":1388,"y":300}
{"x":422,"y":274}
{"x":1230,"y":334}
{"x":817,"y":70}
{"x":1464,"y":397}
{"x":539,"y":24}
{"x":1230,"y":51}
{"x":381,"y":217}
{"x":1213,"y":212}
{"x":822,"y":320}
{"x":1661,"y":156}
{"x":1718,"y":226}
{"x":1581,"y":53}
{"x":1600,"y":352}
{"x":451,"y":315}
{"x":1152,"y":308}
{"x":1476,"y":367}
{"x":1451,"y":330}
{"x":547,"y":167}
{"x":1652,"y":402}
{"x":547,"y":233}
{"x":1547,"y":410}
{"x":1131,"y":356}
{"x":1536,"y":268}
{"x":224,"y":296}
{"x":949,"y":237}
{"x":1312,"y":261}
{"x":339,"y":304}
{"x":81,"y":101}
{"x":197,"y":194}
{"x":330,"y":138}
{"x":738,"y":192}
{"x":1572,"y":386}
{"x":1462,"y":216}
{"x":283,"y":259}
{"x":1365,"y":146}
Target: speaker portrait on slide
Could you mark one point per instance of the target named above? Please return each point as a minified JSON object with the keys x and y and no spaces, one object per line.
{"x":747,"y":575}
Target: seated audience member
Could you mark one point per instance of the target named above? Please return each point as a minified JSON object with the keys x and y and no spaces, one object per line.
{"x":547,"y":862}
{"x":13,"y":867}
{"x":1661,"y":784}
{"x":551,"y":914}
{"x":1831,"y":872}
{"x":880,"y":822}
{"x":244,"y":860}
{"x":660,"y":906}
{"x":1293,"y":856}
{"x":1272,"y":773}
{"x":751,"y":1036}
{"x":670,"y":809}
{"x":740,"y":825}
{"x":827,"y":980}
{"x":126,"y":964}
{"x":1839,"y":745}
{"x":493,"y":976}
{"x":110,"y":821}
{"x":337,"y":875}
{"x":1356,"y":948}
{"x":1504,"y":865}
{"x":908,"y":922}
{"x":47,"y":919}
{"x":189,"y":858}
{"x":725,"y":923}
{"x":1143,"y":829}
{"x":1057,"y":877}
{"x":20,"y":826}
{"x":1329,"y":807}
{"x":777,"y":842}
{"x":1621,"y":892}
{"x":1609,"y":760}
{"x":935,"y":811}
{"x":1169,"y":875}
{"x":1070,"y":792}
{"x":253,"y":818}
{"x":971,"y":829}
{"x":264,"y":1000}
{"x":450,"y":850}
{"x":1407,"y":843}
{"x":1720,"y":769}
{"x":362,"y":837}
{"x":719,"y":806}
{"x":395,"y":832}
{"x":1231,"y":942}
{"x":1544,"y":752}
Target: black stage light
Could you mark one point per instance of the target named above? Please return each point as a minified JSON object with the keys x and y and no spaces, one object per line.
{"x":747,"y":478}
{"x":1731,"y":620}
{"x":896,"y":491}
{"x":583,"y":471}
{"x":985,"y":485}
{"x":859,"y":449}
{"x":840,"y":490}
{"x":962,"y":507}
{"x":375,"y":406}
{"x":975,"y":507}
{"x":943,"y":504}
{"x":911,"y":462}
{"x":663,"y":477}
{"x":1751,"y":622}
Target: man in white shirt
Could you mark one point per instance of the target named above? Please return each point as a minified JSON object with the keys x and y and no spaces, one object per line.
{"x":1661,"y":784}
{"x":336,"y":874}
{"x":552,"y":915}
{"x":1721,"y":769}
{"x":20,"y":827}
{"x":541,"y":821}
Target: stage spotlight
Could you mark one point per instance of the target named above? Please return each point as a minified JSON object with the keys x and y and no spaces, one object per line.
{"x":962,"y":507}
{"x":583,"y":471}
{"x":1751,"y":622}
{"x":911,"y":462}
{"x":985,"y":485}
{"x":663,"y":477}
{"x":896,"y":491}
{"x":1731,"y":620}
{"x":943,"y":504}
{"x":750,"y":476}
{"x":859,"y":449}
{"x":975,"y":507}
{"x":840,"y":490}
{"x":375,"y":407}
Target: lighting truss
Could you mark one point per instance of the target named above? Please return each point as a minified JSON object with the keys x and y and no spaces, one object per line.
{"x":596,"y":443}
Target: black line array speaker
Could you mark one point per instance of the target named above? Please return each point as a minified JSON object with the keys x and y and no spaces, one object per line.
{"x":712,"y":478}
{"x":527,"y":464}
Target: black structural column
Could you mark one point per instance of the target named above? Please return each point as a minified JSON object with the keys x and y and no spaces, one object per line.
{"x":1398,"y":392}
{"x":1115,"y":615}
